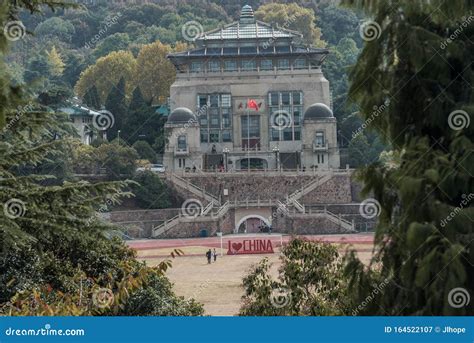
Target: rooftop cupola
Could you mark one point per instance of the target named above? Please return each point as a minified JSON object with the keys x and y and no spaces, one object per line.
{"x":246,"y":15}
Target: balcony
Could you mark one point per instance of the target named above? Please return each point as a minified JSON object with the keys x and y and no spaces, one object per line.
{"x":181,"y":151}
{"x":320,"y":147}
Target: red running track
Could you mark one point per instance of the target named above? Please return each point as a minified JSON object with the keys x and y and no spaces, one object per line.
{"x":365,"y":238}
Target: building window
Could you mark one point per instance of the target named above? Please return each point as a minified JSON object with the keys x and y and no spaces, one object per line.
{"x":204,"y":136}
{"x":196,"y":67}
{"x":226,"y":136}
{"x":300,"y":63}
{"x":283,"y":64}
{"x":230,"y":65}
{"x":249,"y":65}
{"x":182,"y":162}
{"x":250,"y":127}
{"x":289,"y":103}
{"x":182,"y":142}
{"x":214,"y":136}
{"x":214,"y":66}
{"x":320,"y":158}
{"x":215,"y":117}
{"x":319,"y":139}
{"x":266,"y":65}
{"x":214,"y":100}
{"x":225,"y":100}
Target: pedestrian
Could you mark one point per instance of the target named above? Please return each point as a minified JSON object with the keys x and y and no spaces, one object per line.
{"x":215,"y":254}
{"x":209,"y":255}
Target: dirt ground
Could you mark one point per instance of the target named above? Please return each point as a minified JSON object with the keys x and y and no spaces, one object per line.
{"x":218,"y":285}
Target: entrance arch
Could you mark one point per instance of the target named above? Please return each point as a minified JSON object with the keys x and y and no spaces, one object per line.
{"x":251,"y":216}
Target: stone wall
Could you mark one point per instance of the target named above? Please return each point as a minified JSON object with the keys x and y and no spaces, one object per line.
{"x":305,"y":225}
{"x":336,"y":190}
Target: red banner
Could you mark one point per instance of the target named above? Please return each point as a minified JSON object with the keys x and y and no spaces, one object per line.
{"x":250,"y":246}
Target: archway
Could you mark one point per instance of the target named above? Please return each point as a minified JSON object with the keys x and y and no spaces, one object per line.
{"x":253,"y":163}
{"x":251,"y":224}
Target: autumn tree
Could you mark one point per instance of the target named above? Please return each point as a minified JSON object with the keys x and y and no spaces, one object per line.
{"x":155,"y":72}
{"x":293,"y":17}
{"x":107,"y":72}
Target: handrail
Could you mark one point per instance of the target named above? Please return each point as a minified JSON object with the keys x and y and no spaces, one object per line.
{"x":193,"y":188}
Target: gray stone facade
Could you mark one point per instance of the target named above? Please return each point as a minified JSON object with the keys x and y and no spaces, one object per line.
{"x":249,"y":97}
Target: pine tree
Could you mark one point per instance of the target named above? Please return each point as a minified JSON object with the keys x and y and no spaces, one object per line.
{"x":425,"y":237}
{"x":92,"y":99}
{"x":116,"y":104}
{"x":142,"y":121}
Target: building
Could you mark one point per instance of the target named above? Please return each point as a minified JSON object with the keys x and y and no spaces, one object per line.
{"x":82,"y":119}
{"x":249,"y":95}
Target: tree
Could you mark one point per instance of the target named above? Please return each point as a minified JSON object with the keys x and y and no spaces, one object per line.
{"x":426,"y":258}
{"x":150,"y":192}
{"x":56,"y":63}
{"x":92,"y":99}
{"x":56,"y":27}
{"x":115,"y":42}
{"x":116,"y":104}
{"x":294,"y":17}
{"x":337,"y":23}
{"x":155,"y":72}
{"x":118,"y":160}
{"x":142,"y":121}
{"x":145,"y":151}
{"x":107,"y":72}
{"x":310,"y":283}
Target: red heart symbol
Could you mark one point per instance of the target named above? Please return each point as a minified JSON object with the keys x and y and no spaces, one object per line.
{"x":236,"y":246}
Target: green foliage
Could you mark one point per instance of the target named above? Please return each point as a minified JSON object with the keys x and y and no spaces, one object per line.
{"x":150,"y":191}
{"x":145,"y":151}
{"x":116,"y":104}
{"x":310,"y":283}
{"x":56,"y":27}
{"x":92,"y":99}
{"x":424,"y":255}
{"x":118,"y":160}
{"x":115,"y":42}
{"x":55,"y":255}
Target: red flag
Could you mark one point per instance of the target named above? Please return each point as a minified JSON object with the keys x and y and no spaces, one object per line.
{"x":252,"y":104}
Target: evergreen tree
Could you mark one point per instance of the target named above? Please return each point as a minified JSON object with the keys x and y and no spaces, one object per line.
{"x":116,"y":104}
{"x":142,"y":121}
{"x":92,"y":99}
{"x":425,"y":236}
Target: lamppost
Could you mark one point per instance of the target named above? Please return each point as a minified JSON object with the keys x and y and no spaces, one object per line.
{"x":276,"y":150}
{"x":118,"y":137}
{"x":226,"y":152}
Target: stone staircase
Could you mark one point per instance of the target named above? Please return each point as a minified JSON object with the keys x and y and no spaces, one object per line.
{"x":196,"y":190}
{"x":206,"y":215}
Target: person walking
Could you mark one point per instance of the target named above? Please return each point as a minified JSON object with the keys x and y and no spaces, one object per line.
{"x":215,"y":254}
{"x":209,"y":255}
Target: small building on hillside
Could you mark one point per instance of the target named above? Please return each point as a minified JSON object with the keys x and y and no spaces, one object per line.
{"x":82,"y":118}
{"x":250,"y":96}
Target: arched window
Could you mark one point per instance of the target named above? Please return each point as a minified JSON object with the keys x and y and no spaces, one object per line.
{"x":182,"y":142}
